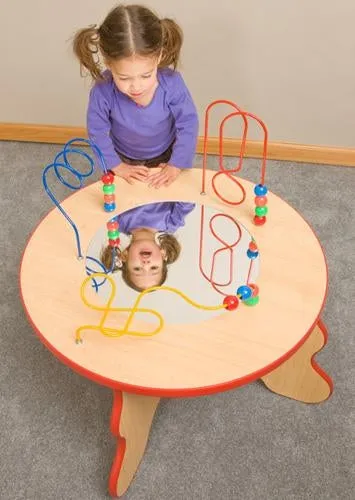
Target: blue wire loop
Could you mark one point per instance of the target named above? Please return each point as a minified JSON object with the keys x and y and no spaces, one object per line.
{"x":102,"y":269}
{"x":61,"y":161}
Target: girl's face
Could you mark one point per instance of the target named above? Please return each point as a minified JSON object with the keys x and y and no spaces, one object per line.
{"x":144,"y":260}
{"x":135,"y":76}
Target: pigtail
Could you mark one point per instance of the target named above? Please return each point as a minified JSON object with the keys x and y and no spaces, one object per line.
{"x":171,"y":246}
{"x":111,"y":258}
{"x":171,"y":43}
{"x":86,"y":48}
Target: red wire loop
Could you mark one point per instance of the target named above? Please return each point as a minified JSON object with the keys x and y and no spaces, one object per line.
{"x":245,"y":116}
{"x":226,"y":247}
{"x":222,"y":170}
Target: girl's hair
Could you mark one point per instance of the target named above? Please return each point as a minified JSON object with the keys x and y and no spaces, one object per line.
{"x":126,"y":31}
{"x":167,"y":242}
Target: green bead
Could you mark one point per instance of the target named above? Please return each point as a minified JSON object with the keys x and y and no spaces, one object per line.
{"x":113,"y":235}
{"x":261,"y":211}
{"x":253,"y":301}
{"x":108,"y":188}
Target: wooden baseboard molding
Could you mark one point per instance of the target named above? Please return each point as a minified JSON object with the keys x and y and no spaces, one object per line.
{"x":325,"y":155}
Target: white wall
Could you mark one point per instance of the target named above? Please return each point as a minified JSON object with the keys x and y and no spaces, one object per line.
{"x":291,"y":63}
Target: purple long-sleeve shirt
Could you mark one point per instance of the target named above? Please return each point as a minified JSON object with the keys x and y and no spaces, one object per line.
{"x":116,"y":124}
{"x":167,"y":216}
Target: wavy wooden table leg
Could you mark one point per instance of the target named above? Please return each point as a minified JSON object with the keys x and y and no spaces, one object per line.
{"x":131,"y":419}
{"x":300,"y":377}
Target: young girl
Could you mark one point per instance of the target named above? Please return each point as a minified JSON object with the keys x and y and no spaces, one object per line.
{"x":140,"y":112}
{"x":144,"y":263}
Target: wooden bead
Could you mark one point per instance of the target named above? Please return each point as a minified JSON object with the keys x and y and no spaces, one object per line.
{"x":232,"y":302}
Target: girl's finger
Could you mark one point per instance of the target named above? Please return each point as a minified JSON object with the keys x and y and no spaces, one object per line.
{"x":141,"y":169}
{"x":153,"y":176}
{"x":154,"y":179}
{"x":161,"y":181}
{"x":139,"y":175}
{"x":154,"y":183}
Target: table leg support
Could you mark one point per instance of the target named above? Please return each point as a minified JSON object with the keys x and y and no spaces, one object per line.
{"x":131,"y":419}
{"x":300,"y":377}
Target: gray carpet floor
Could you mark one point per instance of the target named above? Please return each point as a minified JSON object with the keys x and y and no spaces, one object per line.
{"x":244,"y":444}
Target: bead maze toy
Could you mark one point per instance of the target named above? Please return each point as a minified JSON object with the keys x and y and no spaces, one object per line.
{"x":247,"y":293}
{"x":275,"y":342}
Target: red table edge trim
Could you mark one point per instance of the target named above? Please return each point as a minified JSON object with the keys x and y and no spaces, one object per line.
{"x":315,"y":365}
{"x":194,"y":391}
{"x":116,"y":413}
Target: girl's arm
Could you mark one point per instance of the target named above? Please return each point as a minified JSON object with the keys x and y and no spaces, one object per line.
{"x":186,"y":124}
{"x":185,"y":114}
{"x":99,"y":126}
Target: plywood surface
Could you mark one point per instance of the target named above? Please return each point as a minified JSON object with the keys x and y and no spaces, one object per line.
{"x":230,"y":347}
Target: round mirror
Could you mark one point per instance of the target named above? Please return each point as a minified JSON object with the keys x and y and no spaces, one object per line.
{"x":193,"y":248}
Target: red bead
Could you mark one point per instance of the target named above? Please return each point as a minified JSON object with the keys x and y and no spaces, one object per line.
{"x":231,"y":301}
{"x":112,"y":226}
{"x":114,"y":243}
{"x":260,"y":201}
{"x":259,"y":221}
{"x":255,"y":289}
{"x":108,"y":178}
{"x":253,"y":247}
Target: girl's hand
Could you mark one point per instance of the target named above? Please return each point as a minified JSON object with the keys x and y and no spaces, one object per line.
{"x":130,"y":173}
{"x":165,"y":177}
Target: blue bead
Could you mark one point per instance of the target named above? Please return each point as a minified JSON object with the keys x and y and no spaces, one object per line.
{"x":252,"y":255}
{"x":109,"y":207}
{"x":244,"y":292}
{"x":260,"y":190}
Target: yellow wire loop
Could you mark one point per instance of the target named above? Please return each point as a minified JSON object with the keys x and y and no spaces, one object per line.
{"x":118,"y":332}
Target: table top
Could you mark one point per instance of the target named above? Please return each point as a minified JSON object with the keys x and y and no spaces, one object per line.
{"x":227,"y":350}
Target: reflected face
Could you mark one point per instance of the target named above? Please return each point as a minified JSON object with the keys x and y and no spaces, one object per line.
{"x":135,"y":76}
{"x":144,"y":261}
